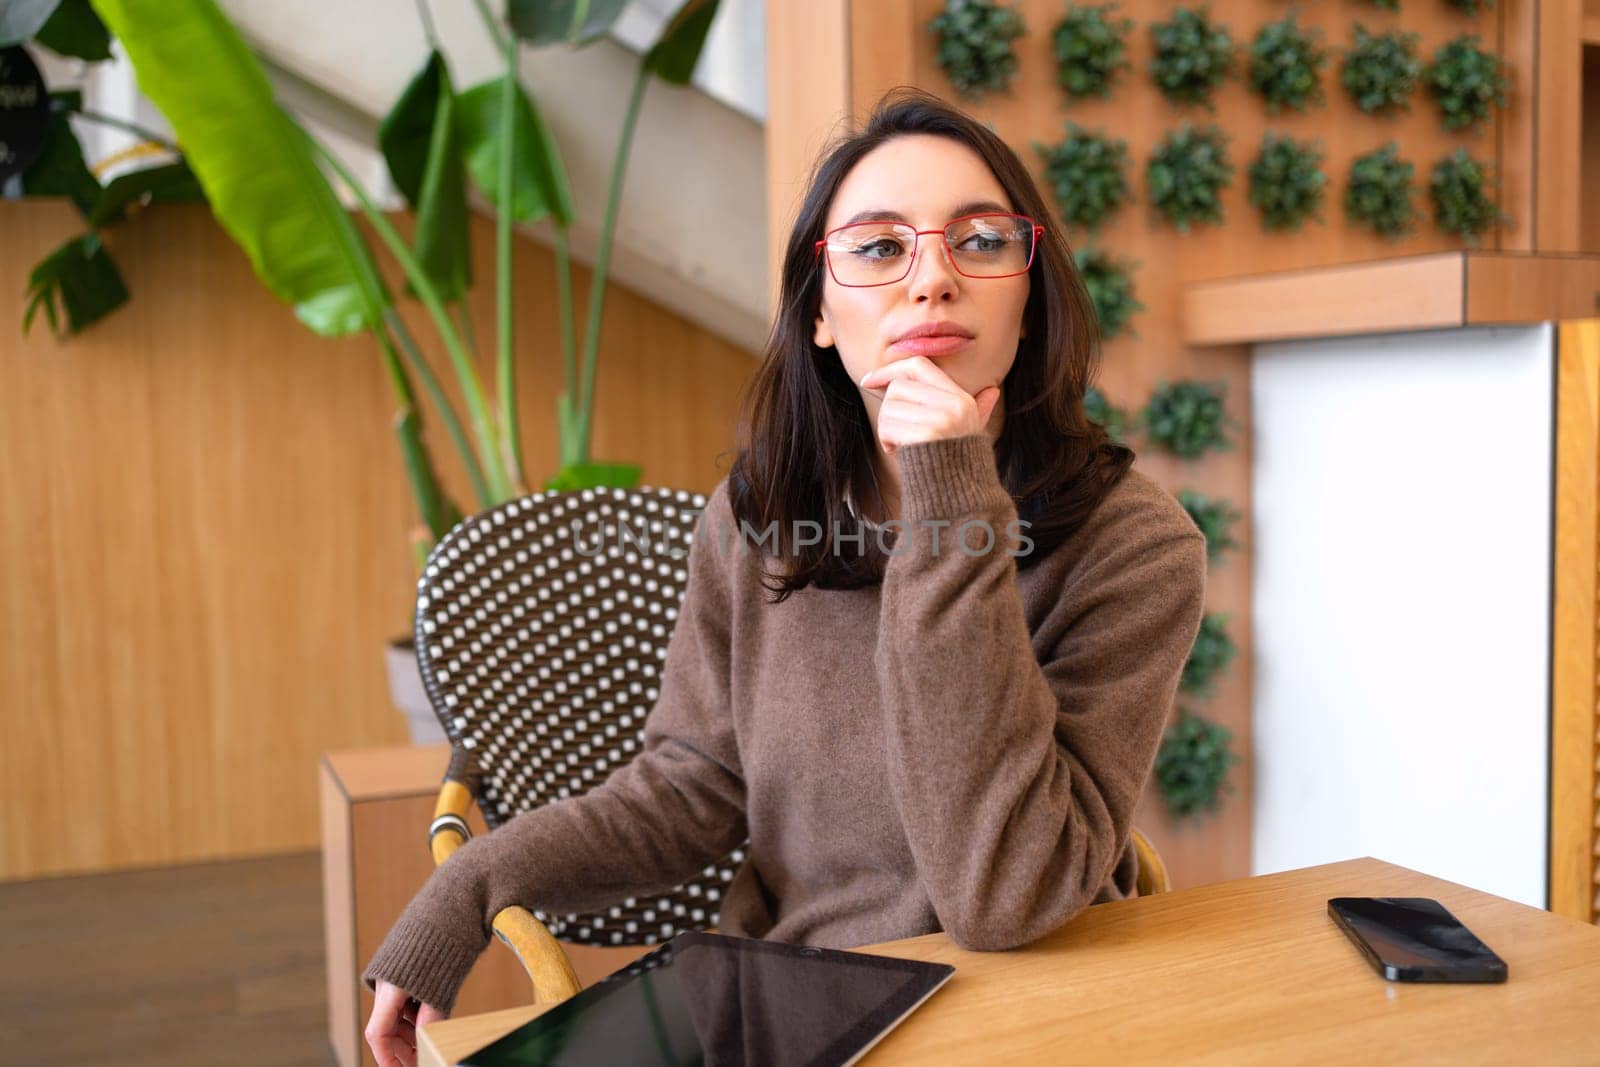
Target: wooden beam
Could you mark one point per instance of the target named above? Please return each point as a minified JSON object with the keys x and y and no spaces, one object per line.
{"x":1432,"y":291}
{"x":1558,"y":134}
{"x":1575,"y":630}
{"x":808,"y":103}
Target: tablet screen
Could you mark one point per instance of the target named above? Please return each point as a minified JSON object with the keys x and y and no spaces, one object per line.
{"x":716,"y":999}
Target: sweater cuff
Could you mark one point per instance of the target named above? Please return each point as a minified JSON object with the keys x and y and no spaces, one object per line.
{"x":950,"y":477}
{"x":425,"y":965}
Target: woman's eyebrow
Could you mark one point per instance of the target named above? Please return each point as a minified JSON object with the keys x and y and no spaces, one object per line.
{"x":971,"y":207}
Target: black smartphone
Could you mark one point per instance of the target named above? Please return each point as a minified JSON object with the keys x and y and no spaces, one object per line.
{"x":1415,"y":939}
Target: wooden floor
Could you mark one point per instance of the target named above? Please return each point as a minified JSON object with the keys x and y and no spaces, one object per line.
{"x":202,"y":964}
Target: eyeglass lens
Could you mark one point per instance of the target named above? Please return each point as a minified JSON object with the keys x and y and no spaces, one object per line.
{"x":984,"y":246}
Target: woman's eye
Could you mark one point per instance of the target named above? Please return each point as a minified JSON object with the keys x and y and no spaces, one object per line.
{"x":988,"y":242}
{"x":883,"y":248}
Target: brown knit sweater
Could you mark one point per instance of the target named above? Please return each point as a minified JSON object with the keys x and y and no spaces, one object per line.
{"x":960,"y":748}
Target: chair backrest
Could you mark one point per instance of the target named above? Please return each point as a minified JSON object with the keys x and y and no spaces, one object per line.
{"x":541,"y":629}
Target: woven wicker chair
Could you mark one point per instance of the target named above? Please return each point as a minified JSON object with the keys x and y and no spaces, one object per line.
{"x":541,"y":630}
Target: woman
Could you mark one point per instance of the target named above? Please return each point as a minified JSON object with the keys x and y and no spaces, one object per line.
{"x":934,"y":623}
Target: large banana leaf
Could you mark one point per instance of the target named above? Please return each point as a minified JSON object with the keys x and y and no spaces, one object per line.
{"x":674,"y":56}
{"x":422,"y":146}
{"x":542,"y":22}
{"x":253,"y":162}
{"x":539,"y":179}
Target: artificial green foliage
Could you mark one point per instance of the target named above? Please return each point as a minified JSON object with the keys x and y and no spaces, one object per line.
{"x":1110,"y":285}
{"x":1465,"y":80}
{"x":1188,"y":418}
{"x":975,"y":49}
{"x":1380,"y":71}
{"x":1088,"y":173}
{"x":1186,"y":172}
{"x":1192,"y":764}
{"x":1212,"y":652}
{"x":1460,"y":203}
{"x":1471,"y":7}
{"x":1286,"y":65}
{"x":1192,"y":56}
{"x":1100,"y":410}
{"x":1091,"y":47}
{"x":1215,"y":517}
{"x":1381,"y":192}
{"x":1287,"y":184}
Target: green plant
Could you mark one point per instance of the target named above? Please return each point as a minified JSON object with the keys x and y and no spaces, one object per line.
{"x":1465,"y":81}
{"x":1091,"y":47}
{"x":262,"y":175}
{"x":1286,"y":182}
{"x":1471,"y":7}
{"x":1099,"y":409}
{"x":1212,"y":652}
{"x":1460,"y":204}
{"x":1387,"y":5}
{"x":1192,"y":764}
{"x":1381,"y":191}
{"x":1187,"y":418}
{"x":975,"y":49}
{"x":1187,"y":170}
{"x":1215,"y":518}
{"x":78,"y":283}
{"x":1380,"y":71}
{"x":1110,"y":285}
{"x":1192,"y":57}
{"x":1286,"y":64}
{"x":1088,"y":174}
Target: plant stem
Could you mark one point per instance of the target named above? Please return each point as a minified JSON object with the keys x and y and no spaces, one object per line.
{"x":452,"y":422}
{"x":426,"y":18}
{"x":128,"y":127}
{"x":491,"y":25}
{"x":506,"y":380}
{"x":464,"y":313}
{"x":466,"y":373}
{"x":597,"y":291}
{"x":569,"y":342}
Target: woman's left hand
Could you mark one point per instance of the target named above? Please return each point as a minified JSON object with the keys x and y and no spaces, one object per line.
{"x":922,"y":403}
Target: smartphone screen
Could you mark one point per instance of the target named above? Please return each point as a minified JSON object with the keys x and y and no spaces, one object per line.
{"x":1415,"y":939}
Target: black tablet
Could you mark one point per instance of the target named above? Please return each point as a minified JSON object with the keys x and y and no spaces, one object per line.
{"x":706,"y":998}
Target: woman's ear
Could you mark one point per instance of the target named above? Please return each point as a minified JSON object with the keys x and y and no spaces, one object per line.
{"x":821,"y":335}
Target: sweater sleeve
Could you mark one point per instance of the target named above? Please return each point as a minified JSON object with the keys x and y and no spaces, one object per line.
{"x":1017,"y":774}
{"x":661,"y":818}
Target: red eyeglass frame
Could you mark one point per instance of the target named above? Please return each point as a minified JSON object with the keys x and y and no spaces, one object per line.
{"x":916,"y":246}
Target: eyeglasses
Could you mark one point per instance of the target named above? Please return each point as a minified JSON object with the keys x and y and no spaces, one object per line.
{"x":978,"y":246}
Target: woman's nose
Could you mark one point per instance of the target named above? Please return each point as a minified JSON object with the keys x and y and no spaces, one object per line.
{"x":932,"y":273}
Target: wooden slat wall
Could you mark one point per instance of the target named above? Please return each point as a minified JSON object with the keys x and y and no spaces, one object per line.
{"x":1575,"y":667}
{"x":204,"y":542}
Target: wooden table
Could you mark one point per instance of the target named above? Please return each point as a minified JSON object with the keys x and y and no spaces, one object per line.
{"x":1246,"y":971}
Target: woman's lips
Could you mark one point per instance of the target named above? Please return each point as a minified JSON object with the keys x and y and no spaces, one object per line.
{"x":941,"y":345}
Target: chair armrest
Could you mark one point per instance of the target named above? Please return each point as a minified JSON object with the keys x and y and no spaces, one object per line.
{"x":530,"y":941}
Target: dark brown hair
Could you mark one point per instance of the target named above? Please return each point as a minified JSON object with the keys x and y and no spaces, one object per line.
{"x":804,"y":434}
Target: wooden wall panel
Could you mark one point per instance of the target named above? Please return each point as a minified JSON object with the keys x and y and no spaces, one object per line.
{"x":1574,"y":689}
{"x":808,"y":97}
{"x":1558,"y":128}
{"x":204,"y":542}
